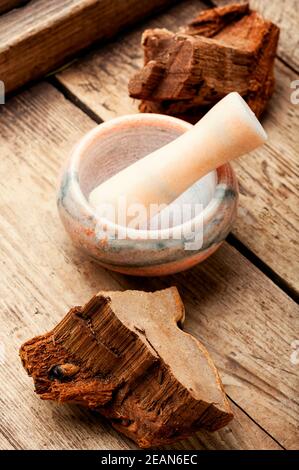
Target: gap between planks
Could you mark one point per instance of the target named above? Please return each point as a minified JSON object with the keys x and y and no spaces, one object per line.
{"x":53,"y":80}
{"x":263,"y":267}
{"x":40,"y":27}
{"x":263,"y":429}
{"x":283,"y":13}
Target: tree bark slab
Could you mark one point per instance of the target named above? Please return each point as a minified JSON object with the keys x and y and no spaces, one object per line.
{"x":124,"y":355}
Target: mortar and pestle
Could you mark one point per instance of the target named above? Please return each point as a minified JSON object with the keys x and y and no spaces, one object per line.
{"x":152,"y":164}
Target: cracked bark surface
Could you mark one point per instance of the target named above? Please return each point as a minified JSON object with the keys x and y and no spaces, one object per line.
{"x":223,"y":49}
{"x":124,"y":355}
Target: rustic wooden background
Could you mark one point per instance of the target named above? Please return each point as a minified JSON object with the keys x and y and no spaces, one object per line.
{"x":241,"y":303}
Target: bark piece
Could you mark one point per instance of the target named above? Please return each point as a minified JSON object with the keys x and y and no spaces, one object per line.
{"x":223,"y":49}
{"x":124,"y":355}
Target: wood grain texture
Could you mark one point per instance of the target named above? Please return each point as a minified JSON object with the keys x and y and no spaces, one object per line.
{"x":250,"y":341}
{"x":285,"y":14}
{"x":246,"y":322}
{"x":7,"y":5}
{"x":100,"y":80}
{"x":42,"y":35}
{"x":268,"y":219}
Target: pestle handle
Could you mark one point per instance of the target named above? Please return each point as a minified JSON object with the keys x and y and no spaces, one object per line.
{"x":229,"y":130}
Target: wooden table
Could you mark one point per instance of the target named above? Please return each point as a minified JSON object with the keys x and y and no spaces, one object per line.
{"x":240,"y":303}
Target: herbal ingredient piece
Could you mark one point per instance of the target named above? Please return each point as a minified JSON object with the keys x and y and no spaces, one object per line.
{"x":124,"y":355}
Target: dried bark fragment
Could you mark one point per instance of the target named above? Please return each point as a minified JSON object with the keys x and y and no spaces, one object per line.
{"x":223,"y":49}
{"x":124,"y":355}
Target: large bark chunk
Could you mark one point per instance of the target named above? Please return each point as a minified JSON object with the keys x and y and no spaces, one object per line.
{"x":124,"y":355}
{"x":224,"y":49}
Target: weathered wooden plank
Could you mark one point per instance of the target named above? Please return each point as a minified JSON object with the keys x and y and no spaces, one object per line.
{"x":268,"y":220}
{"x":42,"y":35}
{"x":100,"y":80}
{"x":245,"y":320}
{"x":285,"y":14}
{"x":7,"y":5}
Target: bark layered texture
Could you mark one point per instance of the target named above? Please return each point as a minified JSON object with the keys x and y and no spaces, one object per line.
{"x":124,"y":355}
{"x":224,"y":49}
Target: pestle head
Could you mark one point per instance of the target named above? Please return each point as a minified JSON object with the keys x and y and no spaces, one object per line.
{"x":229,"y":130}
{"x":239,"y":106}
